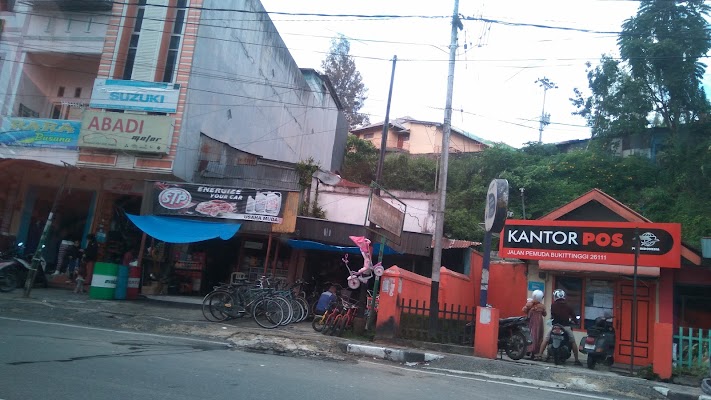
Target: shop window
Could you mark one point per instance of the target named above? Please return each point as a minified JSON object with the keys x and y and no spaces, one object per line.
{"x":589,"y":298}
{"x":67,"y":110}
{"x":573,"y":292}
{"x":692,"y":306}
{"x":26,"y":112}
{"x":175,"y":39}
{"x":57,"y":111}
{"x":599,"y":296}
{"x":133,"y":43}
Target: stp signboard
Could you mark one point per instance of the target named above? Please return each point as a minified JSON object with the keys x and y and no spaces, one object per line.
{"x":592,"y":242}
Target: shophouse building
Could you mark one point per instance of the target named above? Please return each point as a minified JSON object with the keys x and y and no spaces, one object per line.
{"x":107,"y":95}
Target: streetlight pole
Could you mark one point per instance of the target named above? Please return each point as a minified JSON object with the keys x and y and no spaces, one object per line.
{"x":546,"y":84}
{"x":378,"y":177}
{"x":442,"y":187}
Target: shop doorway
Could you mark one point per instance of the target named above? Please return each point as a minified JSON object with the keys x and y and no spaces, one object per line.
{"x":644,"y":323}
{"x":71,"y":221}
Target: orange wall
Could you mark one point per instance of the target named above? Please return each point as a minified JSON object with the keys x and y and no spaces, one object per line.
{"x":508,"y":287}
{"x":507,"y":291}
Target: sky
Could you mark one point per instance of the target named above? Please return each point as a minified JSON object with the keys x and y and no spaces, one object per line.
{"x":496,"y":96}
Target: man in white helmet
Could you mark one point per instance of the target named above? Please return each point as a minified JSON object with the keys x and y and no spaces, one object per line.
{"x":562,"y":314}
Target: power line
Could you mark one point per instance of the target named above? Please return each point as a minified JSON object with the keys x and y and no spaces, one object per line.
{"x":283,"y":47}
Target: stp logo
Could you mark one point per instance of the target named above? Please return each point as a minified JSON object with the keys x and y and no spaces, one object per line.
{"x":174,"y":198}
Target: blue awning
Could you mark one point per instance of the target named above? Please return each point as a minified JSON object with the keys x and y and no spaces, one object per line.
{"x":309,"y":245}
{"x":180,"y":230}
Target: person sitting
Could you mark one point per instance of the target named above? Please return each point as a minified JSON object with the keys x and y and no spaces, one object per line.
{"x":562,"y":314}
{"x":327,"y":299}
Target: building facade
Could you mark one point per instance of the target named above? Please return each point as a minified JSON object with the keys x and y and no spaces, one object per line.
{"x":105,"y":95}
{"x":413,"y":136}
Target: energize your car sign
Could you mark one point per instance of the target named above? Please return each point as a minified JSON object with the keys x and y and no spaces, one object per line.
{"x":218,"y":202}
{"x":592,"y":242}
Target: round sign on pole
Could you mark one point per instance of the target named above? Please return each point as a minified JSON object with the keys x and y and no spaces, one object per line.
{"x":497,"y":202}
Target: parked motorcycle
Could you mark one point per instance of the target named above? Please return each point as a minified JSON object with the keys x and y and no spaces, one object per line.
{"x":559,"y":347}
{"x":514,"y":336}
{"x":599,"y":344}
{"x":14,"y":269}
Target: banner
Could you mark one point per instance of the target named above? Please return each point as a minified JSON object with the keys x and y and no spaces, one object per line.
{"x":38,"y":132}
{"x":126,"y":132}
{"x":135,"y":95}
{"x":592,"y":242}
{"x":190,"y":200}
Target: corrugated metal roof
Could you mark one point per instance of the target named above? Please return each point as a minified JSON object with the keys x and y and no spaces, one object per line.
{"x":337,"y":233}
{"x":456,"y":244}
{"x":251,"y":176}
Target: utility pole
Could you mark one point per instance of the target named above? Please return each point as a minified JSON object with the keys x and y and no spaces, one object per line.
{"x":37,"y":257}
{"x":378,"y":178}
{"x":442,"y":187}
{"x":523,"y":202}
{"x":546,"y":84}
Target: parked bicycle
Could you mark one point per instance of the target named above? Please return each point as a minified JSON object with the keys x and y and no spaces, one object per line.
{"x":236,"y":300}
{"x":319,"y":321}
{"x":344,"y":320}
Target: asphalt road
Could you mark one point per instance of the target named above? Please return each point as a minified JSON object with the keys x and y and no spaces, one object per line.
{"x":45,"y":360}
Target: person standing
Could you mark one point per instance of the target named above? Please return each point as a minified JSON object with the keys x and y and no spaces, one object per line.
{"x":536,"y":311}
{"x":91,"y":252}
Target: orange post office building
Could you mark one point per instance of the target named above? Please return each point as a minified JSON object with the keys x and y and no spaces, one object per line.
{"x":668,"y":288}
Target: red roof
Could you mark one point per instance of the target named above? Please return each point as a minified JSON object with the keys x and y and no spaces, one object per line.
{"x":349,"y":184}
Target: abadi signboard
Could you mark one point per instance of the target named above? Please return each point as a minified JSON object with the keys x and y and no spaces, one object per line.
{"x":592,"y":242}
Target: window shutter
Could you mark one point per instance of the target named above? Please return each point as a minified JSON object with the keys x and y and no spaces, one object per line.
{"x":149,"y":42}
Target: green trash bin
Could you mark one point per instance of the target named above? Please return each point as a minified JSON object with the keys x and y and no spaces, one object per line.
{"x":103,"y":282}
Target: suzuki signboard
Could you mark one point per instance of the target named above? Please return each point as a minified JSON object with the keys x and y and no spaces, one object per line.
{"x":592,"y":242}
{"x":135,"y":95}
{"x":126,"y":132}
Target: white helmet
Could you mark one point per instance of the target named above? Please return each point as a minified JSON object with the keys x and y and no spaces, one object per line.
{"x":537,"y":295}
{"x":558,"y":294}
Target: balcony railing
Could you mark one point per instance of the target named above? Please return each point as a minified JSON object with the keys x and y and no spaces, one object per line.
{"x":73,"y":5}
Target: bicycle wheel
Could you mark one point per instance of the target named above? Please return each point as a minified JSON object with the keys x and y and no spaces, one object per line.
{"x":319,"y":322}
{"x":338,"y":330}
{"x":267,"y":313}
{"x":206,"y":308}
{"x":218,"y":306}
{"x":334,"y":325}
{"x":298,"y":311}
{"x":8,"y":280}
{"x":328,"y":324}
{"x":286,"y":306}
{"x":305,"y":305}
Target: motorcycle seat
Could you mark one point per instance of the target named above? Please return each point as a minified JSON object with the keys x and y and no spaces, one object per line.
{"x":510,"y":320}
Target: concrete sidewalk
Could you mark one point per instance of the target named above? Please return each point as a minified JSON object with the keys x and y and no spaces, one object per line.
{"x":181,"y":315}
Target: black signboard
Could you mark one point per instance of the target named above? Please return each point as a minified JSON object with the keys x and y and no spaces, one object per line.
{"x":191,"y":200}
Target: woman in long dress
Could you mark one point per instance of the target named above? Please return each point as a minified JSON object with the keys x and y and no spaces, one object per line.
{"x":535,"y":311}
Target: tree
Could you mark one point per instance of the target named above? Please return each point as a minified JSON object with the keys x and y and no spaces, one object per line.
{"x":662,"y":45}
{"x":657,"y":81}
{"x":340,"y":68}
{"x":618,"y":106}
{"x":360,"y":161}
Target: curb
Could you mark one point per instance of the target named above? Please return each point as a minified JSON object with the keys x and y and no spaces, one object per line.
{"x":385,"y":353}
{"x":677,"y":395}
